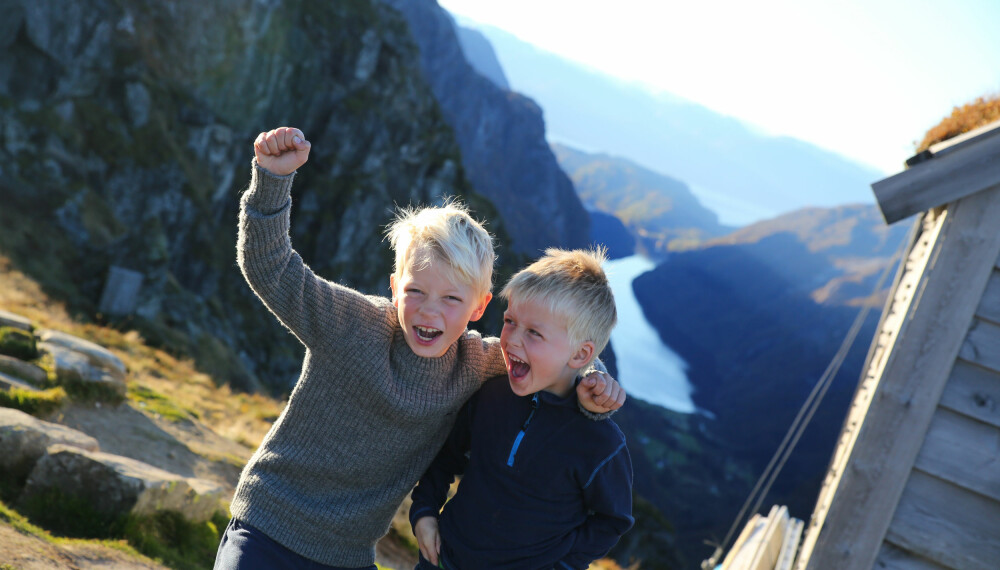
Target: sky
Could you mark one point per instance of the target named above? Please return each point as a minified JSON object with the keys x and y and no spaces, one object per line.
{"x":863,"y":78}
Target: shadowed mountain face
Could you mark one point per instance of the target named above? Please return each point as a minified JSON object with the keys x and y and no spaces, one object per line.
{"x":502,"y":138}
{"x":736,"y":171}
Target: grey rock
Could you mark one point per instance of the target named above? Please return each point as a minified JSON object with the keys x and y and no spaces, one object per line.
{"x":25,"y":438}
{"x":117,"y":485}
{"x":8,"y":319}
{"x":7,"y":382}
{"x":72,"y":366}
{"x":95,"y":353}
{"x":22,"y":370}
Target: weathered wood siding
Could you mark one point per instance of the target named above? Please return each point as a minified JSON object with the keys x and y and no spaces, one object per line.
{"x":950,"y":509}
{"x":904,"y":489}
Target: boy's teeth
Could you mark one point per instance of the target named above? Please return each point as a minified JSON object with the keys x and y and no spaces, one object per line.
{"x":427,"y":333}
{"x":518,"y":367}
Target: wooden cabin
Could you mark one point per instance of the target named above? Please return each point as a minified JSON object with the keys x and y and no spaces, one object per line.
{"x":914,"y":482}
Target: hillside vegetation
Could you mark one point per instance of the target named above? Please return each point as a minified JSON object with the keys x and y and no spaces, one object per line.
{"x":982,"y":111}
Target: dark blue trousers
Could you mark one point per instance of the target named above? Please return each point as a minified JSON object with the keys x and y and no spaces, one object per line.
{"x":243,"y":547}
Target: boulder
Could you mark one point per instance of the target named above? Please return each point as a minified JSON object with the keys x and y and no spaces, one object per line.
{"x":7,"y":382}
{"x":98,"y":356}
{"x":114,"y":485}
{"x":23,"y":370}
{"x":74,"y":367}
{"x":25,"y":438}
{"x":8,"y":319}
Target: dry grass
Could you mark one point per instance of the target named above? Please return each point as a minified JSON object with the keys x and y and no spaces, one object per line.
{"x":158,"y":382}
{"x":978,"y":113}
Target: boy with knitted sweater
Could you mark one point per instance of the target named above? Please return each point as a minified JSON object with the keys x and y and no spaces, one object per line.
{"x":381,"y":380}
{"x":542,"y":487}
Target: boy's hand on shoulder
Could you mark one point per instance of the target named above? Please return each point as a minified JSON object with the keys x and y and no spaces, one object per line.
{"x":598,"y":392}
{"x":281,"y":151}
{"x":428,"y":538}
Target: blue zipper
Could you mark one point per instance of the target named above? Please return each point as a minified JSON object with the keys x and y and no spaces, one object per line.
{"x":520,"y":434}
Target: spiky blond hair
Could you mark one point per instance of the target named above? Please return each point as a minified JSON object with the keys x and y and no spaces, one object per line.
{"x":572,"y":285}
{"x":448,"y":233}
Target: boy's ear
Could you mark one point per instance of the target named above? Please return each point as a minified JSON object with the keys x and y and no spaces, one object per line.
{"x":481,"y":308}
{"x":582,"y":356}
{"x":392,"y":287}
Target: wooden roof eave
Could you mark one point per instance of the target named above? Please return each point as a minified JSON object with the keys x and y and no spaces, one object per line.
{"x":946,"y":172}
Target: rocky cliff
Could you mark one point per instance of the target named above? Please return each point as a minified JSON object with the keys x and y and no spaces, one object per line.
{"x":125,"y":131}
{"x":502,"y":137}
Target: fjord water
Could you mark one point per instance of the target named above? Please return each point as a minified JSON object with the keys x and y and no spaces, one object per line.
{"x":647,"y":368}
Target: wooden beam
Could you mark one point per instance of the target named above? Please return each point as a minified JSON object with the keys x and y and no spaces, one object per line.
{"x":973,"y":391}
{"x":910,"y":386}
{"x":963,"y":451}
{"x":946,"y":524}
{"x":894,"y":558}
{"x":962,"y":171}
{"x":982,"y":345}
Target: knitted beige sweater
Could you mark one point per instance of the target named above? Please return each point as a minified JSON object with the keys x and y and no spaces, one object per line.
{"x":366,"y":416}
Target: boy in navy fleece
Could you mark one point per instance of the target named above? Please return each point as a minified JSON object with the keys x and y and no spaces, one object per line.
{"x":543,"y":486}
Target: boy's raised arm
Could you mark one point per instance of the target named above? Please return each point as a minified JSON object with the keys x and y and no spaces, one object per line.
{"x":301,"y":300}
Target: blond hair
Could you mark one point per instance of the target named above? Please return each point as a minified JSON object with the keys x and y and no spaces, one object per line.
{"x":572,"y":285}
{"x":447,"y":233}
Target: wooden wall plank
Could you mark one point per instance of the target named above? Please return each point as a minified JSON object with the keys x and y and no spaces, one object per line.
{"x":910,"y":386}
{"x":943,"y":179}
{"x":894,"y":558}
{"x":989,"y":306}
{"x":947,"y":524}
{"x":982,"y":345}
{"x":964,"y":451}
{"x":973,"y":391}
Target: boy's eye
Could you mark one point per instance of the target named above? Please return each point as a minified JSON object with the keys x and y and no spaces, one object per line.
{"x":534,"y":333}
{"x":508,"y":321}
{"x":453,"y":298}
{"x":414,"y":291}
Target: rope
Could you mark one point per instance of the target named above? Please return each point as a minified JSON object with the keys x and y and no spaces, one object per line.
{"x":805,"y":415}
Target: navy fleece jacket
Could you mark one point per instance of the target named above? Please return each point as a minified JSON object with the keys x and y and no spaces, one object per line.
{"x":543,"y":486}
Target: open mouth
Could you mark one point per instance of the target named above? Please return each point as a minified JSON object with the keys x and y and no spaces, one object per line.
{"x":518,"y":368}
{"x":426,"y":334}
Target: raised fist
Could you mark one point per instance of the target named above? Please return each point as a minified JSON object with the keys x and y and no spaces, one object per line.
{"x":281,"y":151}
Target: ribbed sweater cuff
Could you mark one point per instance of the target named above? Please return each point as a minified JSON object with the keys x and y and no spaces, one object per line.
{"x":268,"y":193}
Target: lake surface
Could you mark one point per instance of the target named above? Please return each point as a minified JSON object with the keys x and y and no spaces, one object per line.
{"x":647,"y":368}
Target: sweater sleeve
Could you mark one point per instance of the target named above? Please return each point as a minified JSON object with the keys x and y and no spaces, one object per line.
{"x":313,"y":309}
{"x":608,"y":499}
{"x":431,"y":491}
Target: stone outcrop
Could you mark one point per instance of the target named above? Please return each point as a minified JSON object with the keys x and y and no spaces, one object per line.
{"x":8,"y":319}
{"x":24,"y":440}
{"x":22,"y":370}
{"x":79,"y":360}
{"x":114,"y":485}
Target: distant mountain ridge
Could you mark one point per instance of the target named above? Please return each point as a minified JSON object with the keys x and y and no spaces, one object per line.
{"x":660,"y":211}
{"x":736,"y":171}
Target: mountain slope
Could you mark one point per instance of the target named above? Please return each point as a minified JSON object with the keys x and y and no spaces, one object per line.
{"x":660,"y":211}
{"x":734,"y":170}
{"x":131,"y":141}
{"x":502,"y":137}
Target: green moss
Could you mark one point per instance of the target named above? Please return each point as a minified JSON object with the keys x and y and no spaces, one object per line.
{"x":165,"y":536}
{"x":175,"y":541}
{"x":98,"y":219}
{"x":18,"y":343}
{"x":40,"y":403}
{"x":157,"y":403}
{"x":84,"y":391}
